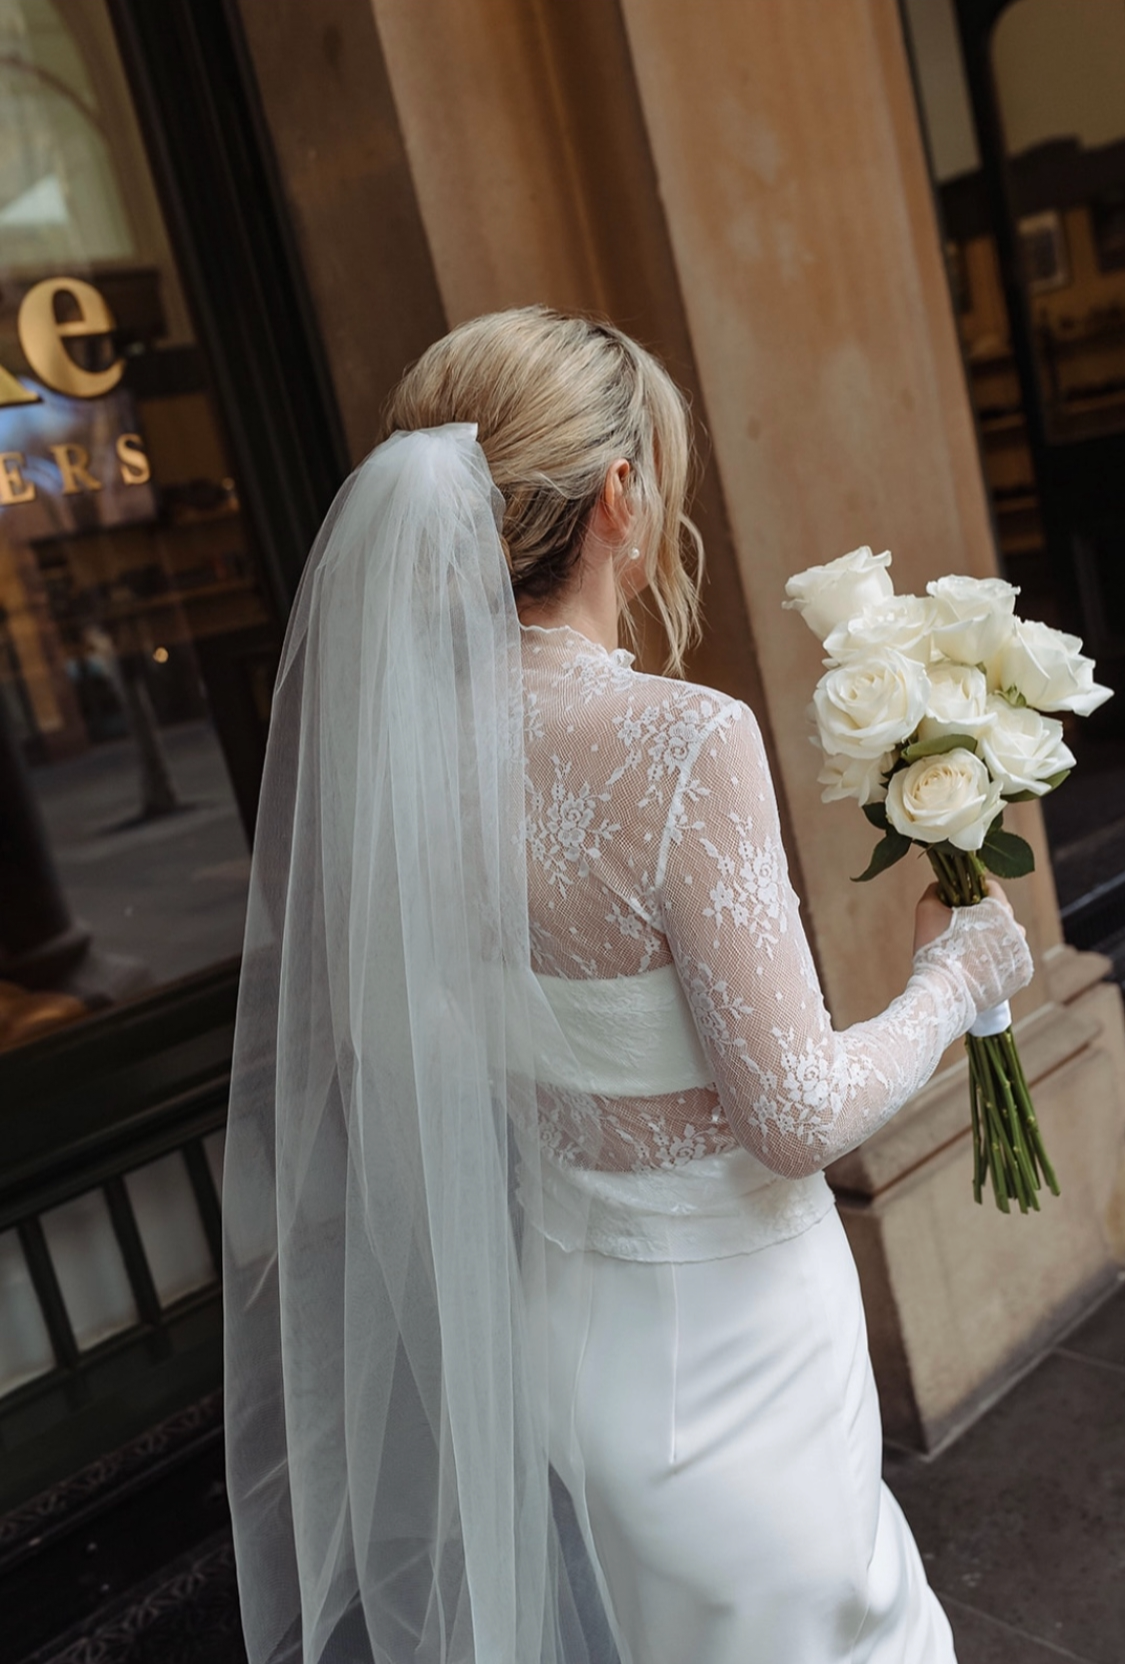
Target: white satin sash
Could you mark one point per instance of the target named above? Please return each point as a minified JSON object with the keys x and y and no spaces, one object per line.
{"x":625,"y":1036}
{"x":635,"y":1037}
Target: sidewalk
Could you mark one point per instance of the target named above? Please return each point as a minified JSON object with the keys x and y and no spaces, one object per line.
{"x":1021,"y":1522}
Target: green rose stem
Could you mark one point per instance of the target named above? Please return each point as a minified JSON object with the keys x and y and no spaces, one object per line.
{"x":1007,"y":1143}
{"x":978,"y":1154}
{"x":1030,"y":1119}
{"x":1010,"y":1119}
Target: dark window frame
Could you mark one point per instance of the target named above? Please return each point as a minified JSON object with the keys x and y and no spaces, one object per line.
{"x":88,"y":1103}
{"x":209,"y":149}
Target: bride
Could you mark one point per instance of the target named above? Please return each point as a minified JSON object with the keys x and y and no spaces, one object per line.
{"x":544,"y":1342}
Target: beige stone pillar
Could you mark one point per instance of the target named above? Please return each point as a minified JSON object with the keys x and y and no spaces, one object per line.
{"x":445,"y":159}
{"x":525,"y":135}
{"x":336,"y":136}
{"x":743,"y":186}
{"x":799,"y":210}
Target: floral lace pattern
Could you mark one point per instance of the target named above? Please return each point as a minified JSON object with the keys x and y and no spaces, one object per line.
{"x":653,"y":838}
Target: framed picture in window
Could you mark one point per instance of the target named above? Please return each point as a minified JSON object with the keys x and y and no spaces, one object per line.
{"x":1046,"y":264}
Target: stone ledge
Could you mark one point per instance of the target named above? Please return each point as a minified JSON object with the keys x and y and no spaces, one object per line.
{"x":962,"y":1299}
{"x":1070,"y":971}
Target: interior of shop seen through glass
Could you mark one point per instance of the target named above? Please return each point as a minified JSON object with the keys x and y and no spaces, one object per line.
{"x":1023,"y":106}
{"x":137,"y":643}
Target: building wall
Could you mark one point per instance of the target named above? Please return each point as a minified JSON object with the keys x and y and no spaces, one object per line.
{"x":745,"y":188}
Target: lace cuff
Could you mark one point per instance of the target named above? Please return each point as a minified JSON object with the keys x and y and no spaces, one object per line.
{"x":982,"y":956}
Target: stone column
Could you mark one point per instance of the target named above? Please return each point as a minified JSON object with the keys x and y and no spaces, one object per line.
{"x":453,"y":158}
{"x":744,"y":188}
{"x":799,"y":208}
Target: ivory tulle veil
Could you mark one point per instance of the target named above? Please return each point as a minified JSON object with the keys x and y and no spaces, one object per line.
{"x":387,"y":1461}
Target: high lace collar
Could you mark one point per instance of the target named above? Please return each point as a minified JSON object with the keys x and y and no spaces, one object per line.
{"x":566,"y":640}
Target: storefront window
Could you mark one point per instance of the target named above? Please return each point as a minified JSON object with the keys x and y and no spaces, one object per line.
{"x":136,"y":643}
{"x":1062,"y":103}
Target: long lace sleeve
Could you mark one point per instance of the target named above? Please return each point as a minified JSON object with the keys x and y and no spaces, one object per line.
{"x":794,"y":1091}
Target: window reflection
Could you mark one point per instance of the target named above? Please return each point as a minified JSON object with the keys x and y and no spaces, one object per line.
{"x":1057,"y":76}
{"x":62,"y":200}
{"x":1062,"y":100}
{"x":136,"y":647}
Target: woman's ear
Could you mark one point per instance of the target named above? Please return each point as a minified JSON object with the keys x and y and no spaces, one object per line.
{"x":614,"y":515}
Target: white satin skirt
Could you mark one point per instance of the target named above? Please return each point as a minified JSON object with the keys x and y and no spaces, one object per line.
{"x":717,"y":1427}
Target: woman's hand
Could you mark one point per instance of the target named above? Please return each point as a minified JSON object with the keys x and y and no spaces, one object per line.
{"x":998,"y":893}
{"x":932,"y":916}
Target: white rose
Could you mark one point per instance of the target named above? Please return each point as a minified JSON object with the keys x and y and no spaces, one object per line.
{"x":948,"y":797}
{"x":858,"y":777}
{"x":829,"y":595}
{"x":1048,"y":668}
{"x":869,"y":705}
{"x":958,"y":702}
{"x":1023,"y":749}
{"x":973,"y":616}
{"x":900,"y":621}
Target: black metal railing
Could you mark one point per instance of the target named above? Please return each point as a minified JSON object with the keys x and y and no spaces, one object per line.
{"x":125,"y":1114}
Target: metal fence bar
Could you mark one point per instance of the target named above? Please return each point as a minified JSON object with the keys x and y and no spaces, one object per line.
{"x":49,"y":1294}
{"x":133,"y":1252}
{"x":206,"y":1199}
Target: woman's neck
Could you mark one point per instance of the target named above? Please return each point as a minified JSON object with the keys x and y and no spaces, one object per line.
{"x":590,"y":607}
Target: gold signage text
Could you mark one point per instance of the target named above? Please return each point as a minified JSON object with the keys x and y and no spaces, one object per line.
{"x":13,"y":487}
{"x":43,"y":341}
{"x":73,"y":463}
{"x":135,"y":466}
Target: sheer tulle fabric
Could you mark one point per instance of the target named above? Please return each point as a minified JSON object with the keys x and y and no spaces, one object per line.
{"x":385,"y":1404}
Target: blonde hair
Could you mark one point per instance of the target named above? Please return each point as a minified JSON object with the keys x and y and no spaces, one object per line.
{"x":557,"y":399}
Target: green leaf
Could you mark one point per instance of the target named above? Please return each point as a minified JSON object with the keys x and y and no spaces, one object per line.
{"x":890,"y":849}
{"x":1014,"y":697}
{"x":1055,"y":780}
{"x":1007,"y":855}
{"x":938,"y":747}
{"x":876,"y":814}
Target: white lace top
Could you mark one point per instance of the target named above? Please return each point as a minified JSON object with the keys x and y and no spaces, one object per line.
{"x":653,"y":840}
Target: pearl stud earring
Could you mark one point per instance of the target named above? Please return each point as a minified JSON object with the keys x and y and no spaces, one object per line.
{"x":634,"y":554}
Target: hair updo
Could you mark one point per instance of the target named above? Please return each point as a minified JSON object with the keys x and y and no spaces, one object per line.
{"x":557,"y":399}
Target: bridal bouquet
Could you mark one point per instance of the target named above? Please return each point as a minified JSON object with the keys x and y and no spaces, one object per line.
{"x":930,"y":715}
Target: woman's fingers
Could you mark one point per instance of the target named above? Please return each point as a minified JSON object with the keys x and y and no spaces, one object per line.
{"x":931,"y":918}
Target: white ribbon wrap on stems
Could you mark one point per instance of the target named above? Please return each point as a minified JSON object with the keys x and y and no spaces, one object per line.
{"x":993,"y":1021}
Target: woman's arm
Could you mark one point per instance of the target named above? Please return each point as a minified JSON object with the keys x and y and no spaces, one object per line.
{"x":795,"y":1092}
